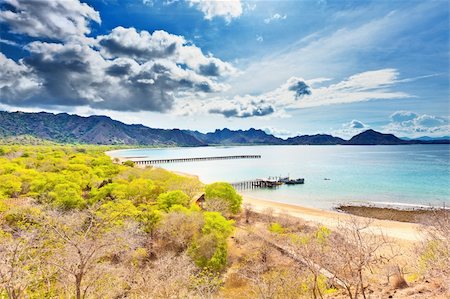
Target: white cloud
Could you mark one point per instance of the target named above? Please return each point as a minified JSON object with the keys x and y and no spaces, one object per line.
{"x":9,"y":42}
{"x":339,"y":51}
{"x":366,"y":86}
{"x":350,"y":129}
{"x":55,"y":19}
{"x":410,"y":124}
{"x":228,"y":9}
{"x":278,"y":132}
{"x":275,"y":17}
{"x":297,"y":93}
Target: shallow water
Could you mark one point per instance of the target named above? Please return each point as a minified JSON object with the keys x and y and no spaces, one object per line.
{"x":404,"y":174}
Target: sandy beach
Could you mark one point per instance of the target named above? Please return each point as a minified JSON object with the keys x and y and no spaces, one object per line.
{"x":393,"y":229}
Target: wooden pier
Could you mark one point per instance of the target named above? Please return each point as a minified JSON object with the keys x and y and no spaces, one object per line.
{"x":253,"y":184}
{"x":177,"y":160}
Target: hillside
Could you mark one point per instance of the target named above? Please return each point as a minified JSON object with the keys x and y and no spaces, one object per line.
{"x":319,"y":139}
{"x":371,"y":137}
{"x":227,"y":136}
{"x":65,"y":128}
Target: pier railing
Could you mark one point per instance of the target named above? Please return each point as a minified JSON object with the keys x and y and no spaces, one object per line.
{"x":176,"y":160}
{"x":253,"y":184}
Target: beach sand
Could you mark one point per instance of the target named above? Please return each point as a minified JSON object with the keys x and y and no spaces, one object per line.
{"x":394,"y":229}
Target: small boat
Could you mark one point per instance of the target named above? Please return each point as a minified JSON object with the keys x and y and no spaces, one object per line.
{"x":295,"y":182}
{"x":284,"y":180}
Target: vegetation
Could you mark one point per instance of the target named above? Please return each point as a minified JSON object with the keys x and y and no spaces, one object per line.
{"x":222,"y":197}
{"x":74,"y":224}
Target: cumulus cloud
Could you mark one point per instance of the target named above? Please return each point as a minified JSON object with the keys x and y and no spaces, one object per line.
{"x":125,"y":70}
{"x":407,"y":123}
{"x":241,"y":107}
{"x":144,"y":46}
{"x":218,"y":8}
{"x":16,"y":79}
{"x":55,"y":19}
{"x":277,"y":132}
{"x":275,"y":17}
{"x":351,"y":129}
{"x":356,"y":124}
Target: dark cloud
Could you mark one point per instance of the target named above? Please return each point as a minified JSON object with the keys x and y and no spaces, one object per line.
{"x":210,"y":69}
{"x":125,"y":70}
{"x":241,"y":110}
{"x":81,"y":73}
{"x":300,"y":88}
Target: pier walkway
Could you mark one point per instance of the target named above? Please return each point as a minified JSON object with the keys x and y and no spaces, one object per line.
{"x":253,"y":184}
{"x":176,"y":160}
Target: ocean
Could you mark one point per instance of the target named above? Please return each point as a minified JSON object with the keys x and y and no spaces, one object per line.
{"x":400,"y":175}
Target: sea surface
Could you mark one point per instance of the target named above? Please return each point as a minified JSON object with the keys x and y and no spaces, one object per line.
{"x":402,"y":175}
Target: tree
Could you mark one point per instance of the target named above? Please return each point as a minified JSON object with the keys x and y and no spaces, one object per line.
{"x":353,"y":252}
{"x":226,"y":193}
{"x":209,"y":250}
{"x":82,"y":247}
{"x":171,"y":198}
{"x":178,"y":228}
{"x":21,"y":264}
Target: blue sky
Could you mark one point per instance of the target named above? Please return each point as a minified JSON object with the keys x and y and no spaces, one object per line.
{"x":288,"y":67}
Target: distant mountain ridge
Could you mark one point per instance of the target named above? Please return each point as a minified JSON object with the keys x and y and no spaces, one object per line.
{"x":66,"y":128}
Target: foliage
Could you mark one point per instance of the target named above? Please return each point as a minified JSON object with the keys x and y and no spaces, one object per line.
{"x":226,"y":193}
{"x":276,"y":228}
{"x":209,"y":250}
{"x":168,"y":199}
{"x":128,"y":163}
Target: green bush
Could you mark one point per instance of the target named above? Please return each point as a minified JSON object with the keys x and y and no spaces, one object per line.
{"x":210,"y":249}
{"x":225,"y":192}
{"x":166,"y":200}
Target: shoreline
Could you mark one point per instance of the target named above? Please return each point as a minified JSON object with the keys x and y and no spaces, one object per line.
{"x":406,"y":231}
{"x":400,"y":230}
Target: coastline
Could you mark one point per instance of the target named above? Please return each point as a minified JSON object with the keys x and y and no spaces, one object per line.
{"x":399,"y":230}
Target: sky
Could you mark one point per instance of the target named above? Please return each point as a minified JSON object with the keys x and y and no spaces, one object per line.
{"x":287,"y":67}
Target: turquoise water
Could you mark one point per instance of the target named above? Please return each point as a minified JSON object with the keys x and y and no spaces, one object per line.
{"x":403,"y":174}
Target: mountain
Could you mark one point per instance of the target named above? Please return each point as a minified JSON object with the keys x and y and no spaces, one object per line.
{"x":428,"y":138}
{"x":65,"y":128}
{"x":38,"y":128}
{"x":371,"y":137}
{"x":229,"y":137}
{"x":319,"y":139}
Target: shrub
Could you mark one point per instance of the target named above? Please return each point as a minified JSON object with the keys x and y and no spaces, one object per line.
{"x":128,"y":163}
{"x":276,"y":228}
{"x":168,"y":199}
{"x":224,"y":192}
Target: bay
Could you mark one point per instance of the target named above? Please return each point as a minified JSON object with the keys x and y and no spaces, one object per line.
{"x":406,"y":175}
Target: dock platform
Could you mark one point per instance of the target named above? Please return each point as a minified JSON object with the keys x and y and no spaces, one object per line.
{"x":195,"y":159}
